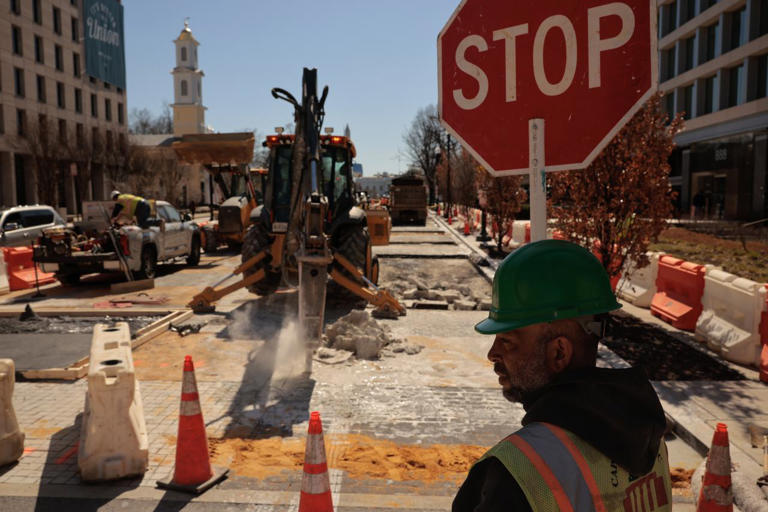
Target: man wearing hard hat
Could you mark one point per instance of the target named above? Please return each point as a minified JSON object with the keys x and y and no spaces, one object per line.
{"x":592,"y":438}
{"x":130,"y":206}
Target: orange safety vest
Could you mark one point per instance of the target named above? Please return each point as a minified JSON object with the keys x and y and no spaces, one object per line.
{"x":557,"y":470}
{"x":129,"y":203}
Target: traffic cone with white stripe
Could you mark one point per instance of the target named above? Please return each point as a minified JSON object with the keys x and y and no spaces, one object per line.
{"x":193,"y":472}
{"x":716,"y":494}
{"x":315,"y":485}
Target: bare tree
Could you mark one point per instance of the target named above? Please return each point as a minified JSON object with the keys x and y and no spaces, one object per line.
{"x":422,"y":141}
{"x":142,"y":121}
{"x":45,"y":147}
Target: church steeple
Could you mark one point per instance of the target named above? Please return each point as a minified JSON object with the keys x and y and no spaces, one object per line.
{"x":188,"y":109}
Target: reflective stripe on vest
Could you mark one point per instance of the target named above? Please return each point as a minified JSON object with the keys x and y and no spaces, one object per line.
{"x":129,"y":203}
{"x":559,"y":471}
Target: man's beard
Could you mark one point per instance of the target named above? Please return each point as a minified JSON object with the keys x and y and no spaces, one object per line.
{"x":527,"y":378}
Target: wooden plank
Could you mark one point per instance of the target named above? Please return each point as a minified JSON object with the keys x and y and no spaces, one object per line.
{"x":159,"y":328}
{"x":132,"y":286}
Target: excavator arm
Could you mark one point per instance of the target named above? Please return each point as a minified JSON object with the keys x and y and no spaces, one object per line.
{"x":204,"y":300}
{"x":386,"y":305}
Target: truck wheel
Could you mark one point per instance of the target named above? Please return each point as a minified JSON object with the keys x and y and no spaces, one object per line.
{"x":256,"y":240}
{"x":352,"y":242}
{"x":148,"y":263}
{"x":193,"y":258}
{"x":209,"y":235}
{"x":68,"y":279}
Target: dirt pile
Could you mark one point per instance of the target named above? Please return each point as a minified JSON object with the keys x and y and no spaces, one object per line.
{"x":362,"y":335}
{"x":681,"y":481}
{"x":362,"y":457}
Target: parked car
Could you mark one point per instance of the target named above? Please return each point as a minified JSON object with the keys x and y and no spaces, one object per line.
{"x":23,"y":225}
{"x":168,"y":237}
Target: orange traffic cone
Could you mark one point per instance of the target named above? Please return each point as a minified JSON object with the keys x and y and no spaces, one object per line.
{"x":716,"y":494}
{"x":466,"y":228}
{"x":315,"y":485}
{"x":193,"y":472}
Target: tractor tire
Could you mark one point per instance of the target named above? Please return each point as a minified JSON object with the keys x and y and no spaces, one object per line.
{"x":68,"y":279}
{"x":256,"y":240}
{"x":352,"y":242}
{"x":210,"y":244}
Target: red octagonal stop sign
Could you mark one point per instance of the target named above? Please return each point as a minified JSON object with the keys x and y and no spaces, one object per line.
{"x":584,"y":66}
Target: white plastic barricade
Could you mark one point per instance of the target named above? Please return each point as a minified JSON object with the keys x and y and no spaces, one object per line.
{"x":11,"y":438}
{"x":113,"y":439}
{"x":730,"y":320}
{"x":518,"y":233}
{"x":4,"y":288}
{"x":638,"y":285}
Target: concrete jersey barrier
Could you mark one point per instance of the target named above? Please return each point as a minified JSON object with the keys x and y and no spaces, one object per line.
{"x":113,"y":439}
{"x":730,"y":320}
{"x":638,"y":286}
{"x":11,"y":438}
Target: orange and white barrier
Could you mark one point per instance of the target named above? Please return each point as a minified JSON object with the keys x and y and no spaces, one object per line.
{"x":679,"y":288}
{"x":638,"y":286}
{"x":11,"y":438}
{"x":21,"y":269}
{"x":730,"y":320}
{"x":113,"y":438}
{"x":521,"y":233}
{"x":4,"y":287}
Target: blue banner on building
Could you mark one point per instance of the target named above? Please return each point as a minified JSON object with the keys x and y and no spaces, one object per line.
{"x":104,"y":42}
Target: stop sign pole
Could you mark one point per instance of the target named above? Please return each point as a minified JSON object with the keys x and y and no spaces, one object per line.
{"x":507,"y":70}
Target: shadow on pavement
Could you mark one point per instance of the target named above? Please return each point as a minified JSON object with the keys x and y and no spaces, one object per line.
{"x":274,"y":393}
{"x":60,"y":468}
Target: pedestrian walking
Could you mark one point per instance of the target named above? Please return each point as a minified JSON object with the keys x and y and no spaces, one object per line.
{"x":591,"y":438}
{"x":129,"y":206}
{"x":192,"y":208}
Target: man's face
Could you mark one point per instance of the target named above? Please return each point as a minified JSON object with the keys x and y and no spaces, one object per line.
{"x":519,"y":359}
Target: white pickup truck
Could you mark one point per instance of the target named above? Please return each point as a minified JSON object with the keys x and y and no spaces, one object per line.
{"x":71,"y":255}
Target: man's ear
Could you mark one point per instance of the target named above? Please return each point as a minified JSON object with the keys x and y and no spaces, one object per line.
{"x":559,"y":354}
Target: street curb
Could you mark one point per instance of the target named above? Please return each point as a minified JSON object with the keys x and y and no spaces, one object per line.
{"x":486,"y":271}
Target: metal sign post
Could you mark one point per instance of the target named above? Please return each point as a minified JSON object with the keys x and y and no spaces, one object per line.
{"x":537,"y":184}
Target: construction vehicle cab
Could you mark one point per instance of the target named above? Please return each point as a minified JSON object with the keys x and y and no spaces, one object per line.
{"x":336,"y":156}
{"x":226,"y":157}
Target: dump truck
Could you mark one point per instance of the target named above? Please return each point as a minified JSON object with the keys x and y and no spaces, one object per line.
{"x":408,"y":200}
{"x":309,"y":227}
{"x":226,"y":157}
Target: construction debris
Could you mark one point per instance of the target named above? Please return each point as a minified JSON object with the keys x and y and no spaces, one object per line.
{"x":450,"y":285}
{"x":363,"y":336}
{"x":185,"y":329}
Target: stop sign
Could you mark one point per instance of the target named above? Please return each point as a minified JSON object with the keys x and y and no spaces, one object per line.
{"x":583,"y":66}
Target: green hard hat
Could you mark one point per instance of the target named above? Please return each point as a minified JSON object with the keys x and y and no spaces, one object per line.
{"x":546,"y":281}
